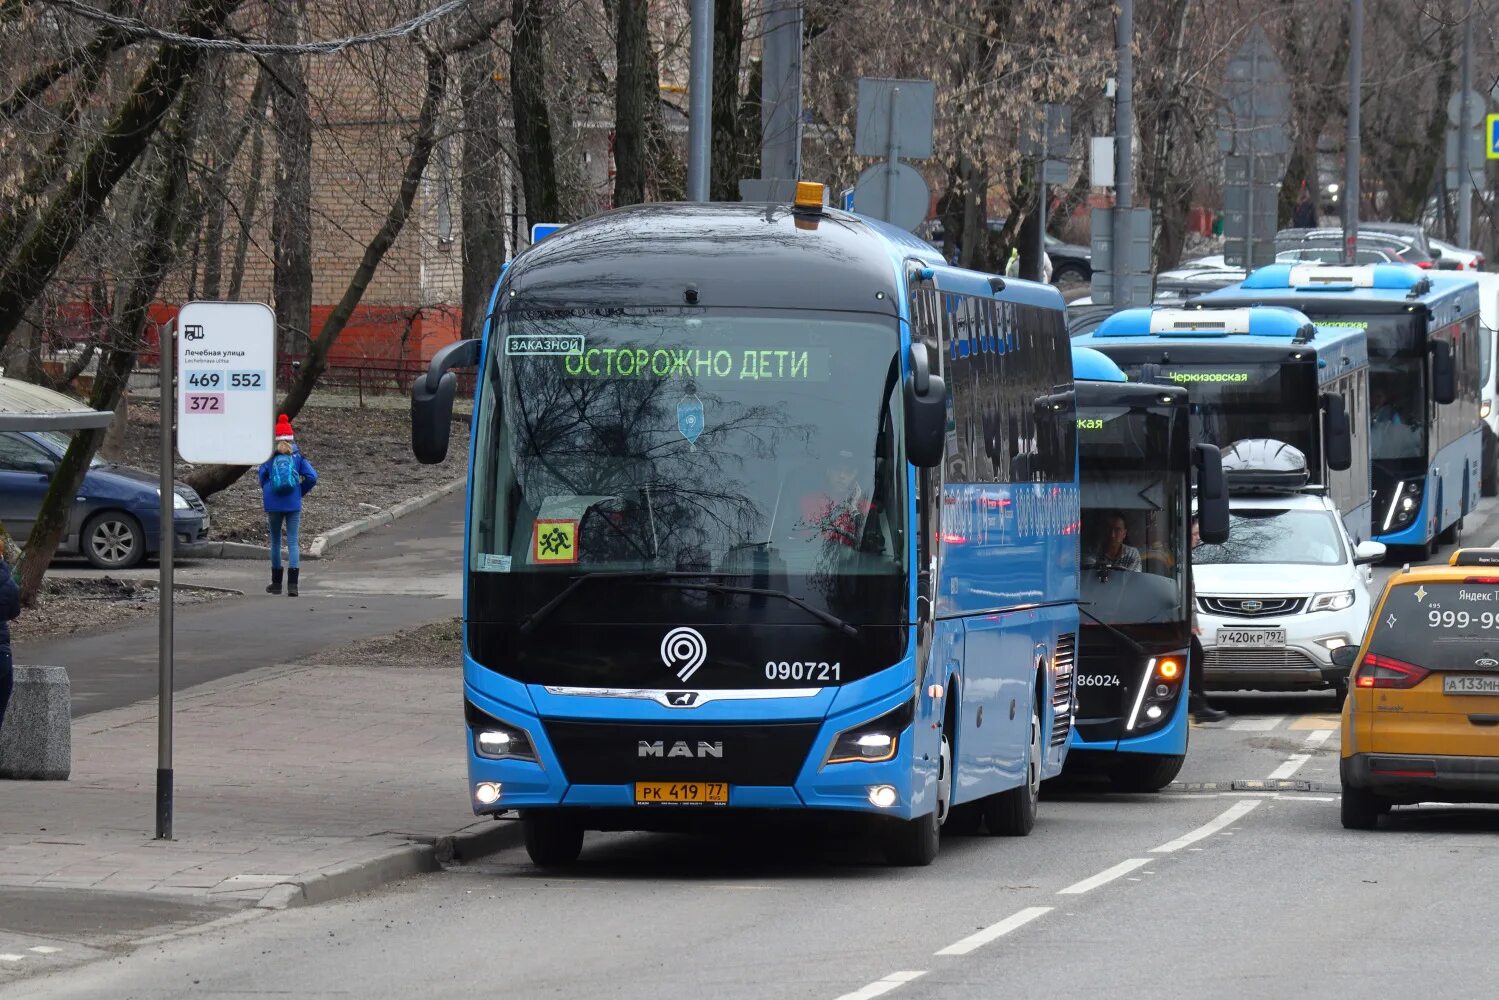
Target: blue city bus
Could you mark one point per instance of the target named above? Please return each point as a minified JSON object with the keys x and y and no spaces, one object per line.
{"x":1261,"y":373}
{"x":1424,"y":431}
{"x":1136,"y":461}
{"x":770,"y":511}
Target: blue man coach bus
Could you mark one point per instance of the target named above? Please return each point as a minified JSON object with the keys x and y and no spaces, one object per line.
{"x":1261,"y":373}
{"x":769,"y":511}
{"x":1425,"y":434}
{"x":1136,"y":461}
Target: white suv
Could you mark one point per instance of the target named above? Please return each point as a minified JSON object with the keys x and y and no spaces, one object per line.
{"x":1285,"y":590}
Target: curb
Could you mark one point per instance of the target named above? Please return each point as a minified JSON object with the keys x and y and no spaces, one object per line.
{"x":398,"y":863}
{"x":222,"y":550}
{"x":322,"y":543}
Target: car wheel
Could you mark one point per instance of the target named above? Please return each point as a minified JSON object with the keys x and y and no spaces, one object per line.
{"x":113,"y":540}
{"x":1361,"y":809}
{"x":1013,"y":813}
{"x":1068,"y":274}
{"x":553,"y":840}
{"x":1339,"y":695}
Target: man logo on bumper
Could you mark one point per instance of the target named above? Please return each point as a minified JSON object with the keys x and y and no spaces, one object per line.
{"x":678,"y":748}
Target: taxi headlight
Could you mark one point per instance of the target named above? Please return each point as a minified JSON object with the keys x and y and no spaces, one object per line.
{"x":1336,"y":601}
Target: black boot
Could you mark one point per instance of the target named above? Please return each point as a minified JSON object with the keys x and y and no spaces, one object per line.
{"x":275,"y":587}
{"x":291,"y":581}
{"x":1202,"y":711}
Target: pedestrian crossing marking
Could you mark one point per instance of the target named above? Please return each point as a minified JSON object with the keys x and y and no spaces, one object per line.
{"x":1258,"y":724}
{"x":1330,"y":721}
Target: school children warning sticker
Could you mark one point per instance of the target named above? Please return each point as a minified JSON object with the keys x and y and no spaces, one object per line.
{"x":554,"y":541}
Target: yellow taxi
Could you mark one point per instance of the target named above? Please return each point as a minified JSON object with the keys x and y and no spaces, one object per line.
{"x":1421,"y":723}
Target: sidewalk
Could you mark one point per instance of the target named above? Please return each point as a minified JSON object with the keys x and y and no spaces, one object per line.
{"x":293,"y":783}
{"x":395,"y":576}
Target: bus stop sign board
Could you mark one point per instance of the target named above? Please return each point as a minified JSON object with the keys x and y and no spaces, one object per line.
{"x":226,"y":382}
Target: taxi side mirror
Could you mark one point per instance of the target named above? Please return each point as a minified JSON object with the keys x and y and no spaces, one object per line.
{"x":1345,"y":657}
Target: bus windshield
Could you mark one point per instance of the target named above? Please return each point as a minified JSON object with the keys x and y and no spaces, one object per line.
{"x":1397,"y":392}
{"x":760,"y":448}
{"x":1133,"y":514}
{"x":1235,"y":400}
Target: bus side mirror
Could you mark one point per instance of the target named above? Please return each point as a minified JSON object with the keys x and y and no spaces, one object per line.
{"x":1443,"y":372}
{"x":1336,"y":433}
{"x":926,"y":411}
{"x":432,"y":401}
{"x":1212,"y":496}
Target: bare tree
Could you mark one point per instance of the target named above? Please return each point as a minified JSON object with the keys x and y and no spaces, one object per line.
{"x":482,"y":184}
{"x":533,"y":122}
{"x":291,"y":209}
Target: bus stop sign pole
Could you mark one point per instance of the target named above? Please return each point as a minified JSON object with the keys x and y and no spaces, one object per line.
{"x":166,"y":345}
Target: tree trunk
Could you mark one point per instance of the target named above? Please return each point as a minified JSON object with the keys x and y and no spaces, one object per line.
{"x":217,"y":196}
{"x":482,"y":186}
{"x":152,"y":257}
{"x":87,"y":187}
{"x":291,"y":212}
{"x":533,"y":123}
{"x":729,"y":160}
{"x":213,"y":478}
{"x":635,"y":90}
{"x":247,"y":214}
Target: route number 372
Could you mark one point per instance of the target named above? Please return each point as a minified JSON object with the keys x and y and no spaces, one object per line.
{"x":797,"y":670}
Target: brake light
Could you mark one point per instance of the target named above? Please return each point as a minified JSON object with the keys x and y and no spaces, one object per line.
{"x":1377,"y":671}
{"x":1481,"y":579}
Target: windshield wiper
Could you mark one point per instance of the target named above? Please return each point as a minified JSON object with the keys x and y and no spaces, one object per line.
{"x":827,"y":618}
{"x":534,"y":618}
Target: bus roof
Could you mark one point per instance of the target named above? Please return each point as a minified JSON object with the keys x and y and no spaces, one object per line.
{"x":655,"y":254}
{"x":1367,"y":288}
{"x":1089,"y":365}
{"x":1252,"y":325}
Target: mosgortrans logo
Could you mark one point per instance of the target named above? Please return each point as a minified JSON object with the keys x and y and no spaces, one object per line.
{"x":1184,"y":377}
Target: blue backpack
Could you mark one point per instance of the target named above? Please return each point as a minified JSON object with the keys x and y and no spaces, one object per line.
{"x":284,"y":478}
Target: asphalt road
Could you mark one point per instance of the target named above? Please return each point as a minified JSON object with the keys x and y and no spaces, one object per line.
{"x":1218,"y":889}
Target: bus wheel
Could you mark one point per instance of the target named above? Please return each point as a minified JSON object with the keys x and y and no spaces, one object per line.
{"x":1146,"y":772}
{"x":1450,"y":536}
{"x":552,"y":839}
{"x":913,"y":843}
{"x":1013,"y":813}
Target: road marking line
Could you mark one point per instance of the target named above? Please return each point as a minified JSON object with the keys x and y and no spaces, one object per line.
{"x":43,"y":949}
{"x":977,"y":940}
{"x":1258,"y":725}
{"x":1293,"y":763}
{"x":11,"y":958}
{"x":1229,"y":815}
{"x":880,"y":987}
{"x":1331,"y":721}
{"x":1103,"y":877}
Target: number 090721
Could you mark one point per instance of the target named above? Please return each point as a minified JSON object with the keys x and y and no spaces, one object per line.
{"x":799,"y":670}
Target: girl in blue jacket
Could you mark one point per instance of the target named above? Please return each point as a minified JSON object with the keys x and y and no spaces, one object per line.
{"x":284,"y":480}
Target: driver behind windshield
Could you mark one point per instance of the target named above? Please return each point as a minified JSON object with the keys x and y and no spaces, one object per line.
{"x":1114,"y":553}
{"x":838,"y":510}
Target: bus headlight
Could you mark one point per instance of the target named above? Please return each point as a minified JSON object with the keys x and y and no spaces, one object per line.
{"x":1338,"y":601}
{"x":1405,"y":504}
{"x":1160,"y":685}
{"x":498,"y":741}
{"x":873,"y":741}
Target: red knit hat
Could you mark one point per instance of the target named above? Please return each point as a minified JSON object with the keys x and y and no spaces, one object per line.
{"x":283,"y":428}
